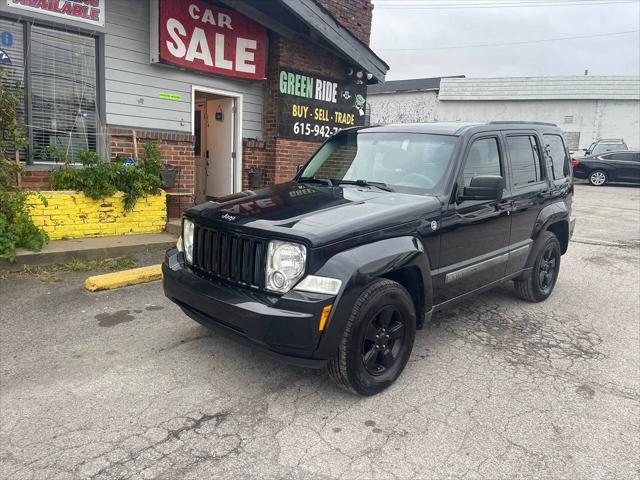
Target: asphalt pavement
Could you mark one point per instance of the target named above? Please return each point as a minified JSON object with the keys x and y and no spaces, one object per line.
{"x":121,"y":384}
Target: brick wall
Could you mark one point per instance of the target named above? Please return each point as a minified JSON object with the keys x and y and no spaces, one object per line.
{"x":254,"y":159}
{"x":70,"y":214}
{"x":278,"y":158}
{"x":36,"y":180}
{"x":177,"y":151}
{"x":354,"y":15}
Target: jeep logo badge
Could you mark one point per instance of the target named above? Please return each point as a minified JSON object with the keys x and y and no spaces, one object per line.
{"x":228,"y":217}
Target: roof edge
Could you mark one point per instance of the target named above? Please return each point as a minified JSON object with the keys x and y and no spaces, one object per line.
{"x":323,"y":23}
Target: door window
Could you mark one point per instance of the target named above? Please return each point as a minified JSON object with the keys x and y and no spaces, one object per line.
{"x":483,"y":159}
{"x":557,"y":153}
{"x":525,"y":159}
{"x":626,"y":157}
{"x":607,"y":147}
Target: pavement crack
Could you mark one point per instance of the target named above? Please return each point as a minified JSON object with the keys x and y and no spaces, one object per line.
{"x":197,"y":423}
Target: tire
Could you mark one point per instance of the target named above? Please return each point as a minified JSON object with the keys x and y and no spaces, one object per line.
{"x":597,"y":178}
{"x":386,"y":309}
{"x":538,"y":284}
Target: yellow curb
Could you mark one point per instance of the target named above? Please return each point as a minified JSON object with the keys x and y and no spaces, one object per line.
{"x":124,"y":278}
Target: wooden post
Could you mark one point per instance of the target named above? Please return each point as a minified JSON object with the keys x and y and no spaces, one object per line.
{"x":18,"y":176}
{"x":135,"y":144}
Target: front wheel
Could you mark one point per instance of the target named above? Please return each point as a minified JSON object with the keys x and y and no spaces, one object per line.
{"x":597,"y":178}
{"x":538,"y":284}
{"x":377,"y":339}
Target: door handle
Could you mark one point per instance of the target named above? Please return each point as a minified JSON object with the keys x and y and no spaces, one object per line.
{"x":545,"y":194}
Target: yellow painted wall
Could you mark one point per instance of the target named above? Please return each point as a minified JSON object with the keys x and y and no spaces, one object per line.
{"x":71,"y":214}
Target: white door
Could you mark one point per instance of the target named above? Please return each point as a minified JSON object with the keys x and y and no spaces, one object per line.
{"x":220,"y":144}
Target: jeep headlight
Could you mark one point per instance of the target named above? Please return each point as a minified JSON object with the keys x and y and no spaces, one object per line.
{"x":187,"y":239}
{"x":285,"y":265}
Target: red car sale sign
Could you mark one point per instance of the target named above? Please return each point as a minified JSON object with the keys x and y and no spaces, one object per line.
{"x":199,"y":36}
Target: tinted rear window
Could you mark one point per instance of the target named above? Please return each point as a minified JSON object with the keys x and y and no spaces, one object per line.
{"x":608,"y":147}
{"x":525,"y":159}
{"x":627,"y":157}
{"x":555,"y":149}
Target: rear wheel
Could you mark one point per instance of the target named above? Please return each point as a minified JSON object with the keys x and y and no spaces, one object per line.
{"x":598,"y":178}
{"x":377,"y":339}
{"x":538,"y":284}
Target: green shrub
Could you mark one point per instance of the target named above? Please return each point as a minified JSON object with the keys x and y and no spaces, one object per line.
{"x":135,"y":182}
{"x":16,"y":228}
{"x":98,"y":179}
{"x":151,"y":161}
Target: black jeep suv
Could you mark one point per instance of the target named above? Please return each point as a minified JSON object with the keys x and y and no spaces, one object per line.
{"x":381,"y":228}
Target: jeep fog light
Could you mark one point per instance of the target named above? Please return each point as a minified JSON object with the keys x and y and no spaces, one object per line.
{"x":285,"y":265}
{"x":187,"y":240}
{"x":313,"y":284}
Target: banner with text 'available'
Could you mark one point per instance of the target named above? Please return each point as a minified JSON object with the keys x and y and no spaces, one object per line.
{"x":86,"y":11}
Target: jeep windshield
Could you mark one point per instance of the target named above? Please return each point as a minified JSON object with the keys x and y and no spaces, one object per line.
{"x":405,"y":162}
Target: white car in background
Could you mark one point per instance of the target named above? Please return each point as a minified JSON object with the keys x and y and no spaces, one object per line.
{"x":606,"y":145}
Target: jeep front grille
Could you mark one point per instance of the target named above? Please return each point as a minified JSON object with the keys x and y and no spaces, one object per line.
{"x":229,"y":256}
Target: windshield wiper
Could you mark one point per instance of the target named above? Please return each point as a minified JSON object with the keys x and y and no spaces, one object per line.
{"x":314,"y":179}
{"x":364,"y":183}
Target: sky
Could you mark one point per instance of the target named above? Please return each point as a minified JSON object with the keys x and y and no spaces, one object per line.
{"x":402,"y":26}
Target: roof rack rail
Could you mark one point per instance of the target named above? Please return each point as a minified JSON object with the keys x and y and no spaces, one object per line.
{"x":519,"y":122}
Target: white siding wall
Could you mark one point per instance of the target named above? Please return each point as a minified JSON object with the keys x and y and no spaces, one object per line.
{"x":600,"y":107}
{"x":592,"y":118}
{"x":539,"y":88}
{"x":618,"y":118}
{"x":133,"y":84}
{"x":411,"y":107}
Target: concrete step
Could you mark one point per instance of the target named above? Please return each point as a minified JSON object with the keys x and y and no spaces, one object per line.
{"x":174,"y":226}
{"x":61,"y":251}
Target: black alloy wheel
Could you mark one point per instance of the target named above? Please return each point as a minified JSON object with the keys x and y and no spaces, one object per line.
{"x":383,"y":340}
{"x":377,"y":339}
{"x":547,"y":269}
{"x":539,"y":281}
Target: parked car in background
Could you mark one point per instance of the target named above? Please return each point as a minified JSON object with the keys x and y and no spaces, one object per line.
{"x":606,"y":145}
{"x":622,"y":166}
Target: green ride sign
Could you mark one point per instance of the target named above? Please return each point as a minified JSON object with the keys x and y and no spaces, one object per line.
{"x":312,"y":107}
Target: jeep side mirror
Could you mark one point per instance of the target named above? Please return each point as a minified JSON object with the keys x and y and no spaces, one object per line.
{"x":484,"y":187}
{"x":587,"y":151}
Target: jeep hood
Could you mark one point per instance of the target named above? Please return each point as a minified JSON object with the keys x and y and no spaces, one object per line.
{"x":313,"y":213}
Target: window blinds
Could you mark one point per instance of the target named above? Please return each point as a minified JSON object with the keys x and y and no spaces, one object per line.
{"x":63,"y":91}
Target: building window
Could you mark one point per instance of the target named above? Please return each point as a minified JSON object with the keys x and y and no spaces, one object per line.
{"x":525,"y":160}
{"x":60,"y":88}
{"x":12,"y":45}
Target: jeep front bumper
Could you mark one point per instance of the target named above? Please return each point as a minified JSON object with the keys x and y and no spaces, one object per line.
{"x":284,"y":326}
